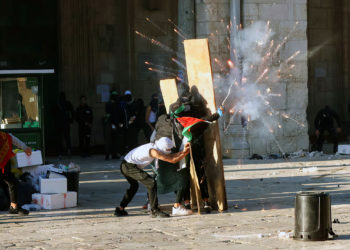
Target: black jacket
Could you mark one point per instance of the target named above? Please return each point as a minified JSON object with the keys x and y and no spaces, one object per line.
{"x":325,"y":119}
{"x":84,"y":115}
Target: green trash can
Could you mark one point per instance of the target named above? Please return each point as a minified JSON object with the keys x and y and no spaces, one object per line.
{"x":313,"y":216}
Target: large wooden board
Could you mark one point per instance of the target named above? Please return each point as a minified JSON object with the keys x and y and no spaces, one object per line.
{"x":170,"y":95}
{"x":196,"y":197}
{"x":200,"y":77}
{"x":169,"y":92}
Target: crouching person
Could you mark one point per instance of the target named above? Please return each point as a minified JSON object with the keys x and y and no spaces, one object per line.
{"x":132,"y":168}
{"x":6,"y":142}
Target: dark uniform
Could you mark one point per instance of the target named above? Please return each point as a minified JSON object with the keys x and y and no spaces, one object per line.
{"x":113,"y":127}
{"x":324,"y":121}
{"x":195,"y":107}
{"x":84,"y":118}
{"x":64,"y":117}
{"x":130,"y":131}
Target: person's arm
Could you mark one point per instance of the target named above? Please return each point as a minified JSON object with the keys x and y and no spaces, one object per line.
{"x":148,"y":113}
{"x":172,"y":158}
{"x":18,"y":143}
{"x":214,"y":116}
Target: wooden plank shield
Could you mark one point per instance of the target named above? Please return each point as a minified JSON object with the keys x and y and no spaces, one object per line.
{"x":200,"y":80}
{"x":169,"y":92}
{"x":170,"y":95}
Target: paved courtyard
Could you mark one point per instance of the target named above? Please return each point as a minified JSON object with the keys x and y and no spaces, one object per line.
{"x":260,"y":199}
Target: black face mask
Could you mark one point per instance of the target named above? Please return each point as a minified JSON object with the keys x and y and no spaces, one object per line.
{"x":128,"y":98}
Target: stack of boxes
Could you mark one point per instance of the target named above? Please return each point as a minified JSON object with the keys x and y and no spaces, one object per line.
{"x":52,"y":185}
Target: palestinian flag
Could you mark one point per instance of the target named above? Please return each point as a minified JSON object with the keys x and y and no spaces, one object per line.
{"x":188,"y":123}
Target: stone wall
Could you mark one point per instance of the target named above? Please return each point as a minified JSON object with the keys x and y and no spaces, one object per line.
{"x":283,"y":15}
{"x":212,"y":17}
{"x":143,"y":83}
{"x":98,"y":45}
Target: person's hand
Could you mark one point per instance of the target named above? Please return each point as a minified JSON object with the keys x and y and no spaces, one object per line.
{"x":28,"y":151}
{"x":187,"y":148}
{"x":317,"y":132}
{"x":338,"y":130}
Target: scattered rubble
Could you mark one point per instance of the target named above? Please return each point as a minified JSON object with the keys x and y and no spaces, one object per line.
{"x":309,"y":170}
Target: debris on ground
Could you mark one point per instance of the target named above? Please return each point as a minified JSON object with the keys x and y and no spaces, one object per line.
{"x":242,"y":236}
{"x":274,"y":156}
{"x":336,"y":221}
{"x":298,"y":154}
{"x":309,"y":170}
{"x":285,"y":235}
{"x":256,"y":157}
{"x":316,"y":154}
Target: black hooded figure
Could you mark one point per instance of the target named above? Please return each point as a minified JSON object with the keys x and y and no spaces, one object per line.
{"x":64,"y":117}
{"x":194,"y":105}
{"x":84,"y":118}
{"x":113,"y":127}
{"x":324,"y":121}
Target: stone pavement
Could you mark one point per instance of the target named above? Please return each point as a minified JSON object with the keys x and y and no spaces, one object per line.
{"x":261,"y":205}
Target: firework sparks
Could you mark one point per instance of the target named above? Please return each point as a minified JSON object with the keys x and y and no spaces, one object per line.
{"x":261,"y":76}
{"x":155,"y":25}
{"x":155,"y":42}
{"x":178,"y":30}
{"x":162,"y":71}
{"x":179,"y":63}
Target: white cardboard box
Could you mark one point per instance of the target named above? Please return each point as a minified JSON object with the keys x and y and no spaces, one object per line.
{"x":53,"y":186}
{"x":22,"y":160}
{"x":55,"y":201}
{"x":344,"y":149}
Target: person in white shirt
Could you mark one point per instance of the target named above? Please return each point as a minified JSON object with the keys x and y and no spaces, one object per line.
{"x":132,"y":168}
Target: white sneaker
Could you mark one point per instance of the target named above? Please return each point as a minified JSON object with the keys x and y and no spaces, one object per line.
{"x":179,"y":211}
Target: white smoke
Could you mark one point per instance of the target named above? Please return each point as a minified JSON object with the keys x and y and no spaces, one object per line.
{"x":254,"y":79}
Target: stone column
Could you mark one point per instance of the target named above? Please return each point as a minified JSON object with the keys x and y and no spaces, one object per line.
{"x":186,"y":18}
{"x":346,"y":58}
{"x":235,"y":139}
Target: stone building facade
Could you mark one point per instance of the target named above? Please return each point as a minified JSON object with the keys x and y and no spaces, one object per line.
{"x":282,"y":14}
{"x":99,"y":46}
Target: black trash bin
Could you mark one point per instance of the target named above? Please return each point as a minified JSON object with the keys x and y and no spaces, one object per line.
{"x":312,"y":216}
{"x":73,"y":182}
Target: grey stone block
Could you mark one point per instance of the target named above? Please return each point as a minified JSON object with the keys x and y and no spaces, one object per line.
{"x":300,"y":12}
{"x":251,"y":11}
{"x":206,"y":12}
{"x":297,"y":96}
{"x":302,"y":142}
{"x":274,"y":11}
{"x":223,"y":12}
{"x":258,"y":146}
{"x":286,"y":144}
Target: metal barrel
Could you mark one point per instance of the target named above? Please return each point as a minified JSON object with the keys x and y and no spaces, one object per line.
{"x":312,"y":216}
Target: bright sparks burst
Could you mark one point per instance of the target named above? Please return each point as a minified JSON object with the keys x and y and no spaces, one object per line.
{"x":249,"y":80}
